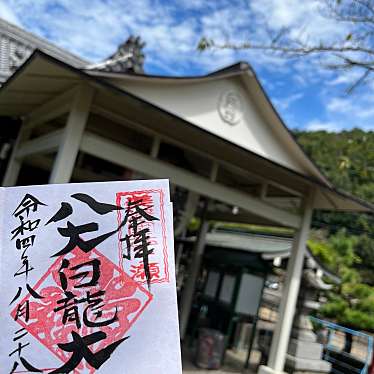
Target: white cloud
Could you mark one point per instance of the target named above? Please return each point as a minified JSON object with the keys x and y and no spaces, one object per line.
{"x":317,"y":125}
{"x":345,"y":112}
{"x":195,"y":4}
{"x":304,"y":19}
{"x":285,"y":102}
{"x":95,"y":31}
{"x":8,"y":14}
{"x":357,"y":108}
{"x":346,"y":78}
{"x":284,"y":13}
{"x":340,"y":105}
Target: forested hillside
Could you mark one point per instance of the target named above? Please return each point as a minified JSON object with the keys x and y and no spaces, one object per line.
{"x":346,"y":158}
{"x":345,"y":242}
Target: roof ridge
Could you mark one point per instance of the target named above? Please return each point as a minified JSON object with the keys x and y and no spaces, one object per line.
{"x":38,"y":42}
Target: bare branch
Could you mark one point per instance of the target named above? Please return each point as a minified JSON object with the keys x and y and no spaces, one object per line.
{"x":359,"y":81}
{"x":355,"y":50}
{"x":368,"y":5}
{"x":302,"y":50}
{"x":352,"y":12}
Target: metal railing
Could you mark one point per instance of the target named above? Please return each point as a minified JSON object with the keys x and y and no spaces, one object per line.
{"x":337,"y":334}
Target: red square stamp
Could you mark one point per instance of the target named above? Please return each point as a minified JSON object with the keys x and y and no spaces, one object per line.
{"x":110,"y":306}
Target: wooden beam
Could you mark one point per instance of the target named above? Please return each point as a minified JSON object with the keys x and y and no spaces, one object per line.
{"x":79,"y":174}
{"x":129,"y":158}
{"x":53,"y":108}
{"x":43,"y":144}
{"x":140,"y":127}
{"x":239,"y":218}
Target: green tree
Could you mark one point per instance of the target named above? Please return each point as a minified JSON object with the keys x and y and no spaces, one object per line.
{"x":350,"y":303}
{"x":347,"y":158}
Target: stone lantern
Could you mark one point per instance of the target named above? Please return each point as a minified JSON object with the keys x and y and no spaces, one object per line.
{"x":304,"y":351}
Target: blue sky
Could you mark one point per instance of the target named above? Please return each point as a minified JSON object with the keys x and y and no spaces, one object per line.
{"x":306,"y":95}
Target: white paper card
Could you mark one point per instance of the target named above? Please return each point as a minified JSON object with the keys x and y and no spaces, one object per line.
{"x":87,"y":279}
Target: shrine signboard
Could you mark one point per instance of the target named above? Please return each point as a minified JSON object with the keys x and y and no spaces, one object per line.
{"x":87,"y":281}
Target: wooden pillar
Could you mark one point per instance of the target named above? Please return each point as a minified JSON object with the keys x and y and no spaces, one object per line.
{"x":193,"y":273}
{"x":14,"y":164}
{"x":279,"y":345}
{"x":71,"y":139}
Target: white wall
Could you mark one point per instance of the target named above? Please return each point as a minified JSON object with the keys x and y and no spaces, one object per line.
{"x":198,"y":103}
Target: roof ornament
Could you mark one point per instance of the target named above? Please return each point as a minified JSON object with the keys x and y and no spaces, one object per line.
{"x":129,"y":58}
{"x":230,"y":107}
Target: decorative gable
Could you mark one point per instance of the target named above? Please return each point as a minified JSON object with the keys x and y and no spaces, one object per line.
{"x":16,"y":45}
{"x":223,"y":107}
{"x":13,"y":52}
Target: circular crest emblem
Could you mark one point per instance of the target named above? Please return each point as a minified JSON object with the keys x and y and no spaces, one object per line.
{"x":230,"y":107}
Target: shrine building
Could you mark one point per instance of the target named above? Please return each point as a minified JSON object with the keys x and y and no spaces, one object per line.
{"x":217,"y":138}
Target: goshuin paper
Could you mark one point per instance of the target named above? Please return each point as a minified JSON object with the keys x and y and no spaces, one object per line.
{"x":87,"y":279}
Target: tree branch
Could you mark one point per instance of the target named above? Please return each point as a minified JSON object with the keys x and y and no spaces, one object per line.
{"x":355,"y":50}
{"x":302,"y":50}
